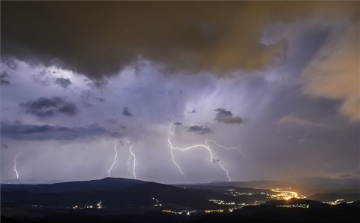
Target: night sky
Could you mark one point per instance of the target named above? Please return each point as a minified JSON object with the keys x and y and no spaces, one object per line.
{"x":280,"y":80}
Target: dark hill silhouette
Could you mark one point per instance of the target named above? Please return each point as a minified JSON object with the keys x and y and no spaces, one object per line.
{"x":76,"y":186}
{"x":306,"y":187}
{"x":115,"y":193}
{"x":227,"y":188}
{"x":326,"y":197}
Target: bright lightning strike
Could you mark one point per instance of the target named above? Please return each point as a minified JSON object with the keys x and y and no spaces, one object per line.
{"x":237,"y":148}
{"x":226,"y":171}
{"x":133,"y":158}
{"x":173,"y":158}
{"x":204,"y":146}
{"x":15,"y":163}
{"x":172,"y":153}
{"x":115,"y":159}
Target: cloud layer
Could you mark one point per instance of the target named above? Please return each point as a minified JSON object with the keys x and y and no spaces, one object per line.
{"x":227,"y":117}
{"x":21,"y":131}
{"x":4,"y":77}
{"x":63,"y":82}
{"x":295,"y":120}
{"x":183,"y":36}
{"x":334,"y":72}
{"x":199,"y":129}
{"x":47,"y":107}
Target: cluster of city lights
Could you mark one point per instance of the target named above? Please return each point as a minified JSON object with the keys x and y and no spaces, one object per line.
{"x":221,"y":202}
{"x":98,"y":206}
{"x":180,"y":212}
{"x":285,"y":194}
{"x":337,"y":201}
{"x":292,"y":206}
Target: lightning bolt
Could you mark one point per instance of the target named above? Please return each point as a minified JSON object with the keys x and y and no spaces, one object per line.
{"x":15,"y":163}
{"x":173,"y":158}
{"x":237,"y":148}
{"x":115,"y":159}
{"x":226,"y":171}
{"x":172,"y":153}
{"x":133,"y":158}
{"x":205,"y":146}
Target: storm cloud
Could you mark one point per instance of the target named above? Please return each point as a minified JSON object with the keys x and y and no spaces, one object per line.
{"x":227,"y":117}
{"x":4,"y":78}
{"x":47,"y":107}
{"x":21,"y":131}
{"x":63,"y":82}
{"x":289,"y":70}
{"x":334,"y":72}
{"x":199,"y":129}
{"x":214,"y":38}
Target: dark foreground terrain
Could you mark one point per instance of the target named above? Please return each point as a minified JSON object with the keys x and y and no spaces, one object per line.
{"x":255,"y":214}
{"x":122,"y":200}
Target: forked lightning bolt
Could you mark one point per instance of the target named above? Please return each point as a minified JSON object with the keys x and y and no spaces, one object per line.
{"x":173,"y":158}
{"x":204,"y":146}
{"x":15,"y":163}
{"x":115,"y":159}
{"x":227,"y":148}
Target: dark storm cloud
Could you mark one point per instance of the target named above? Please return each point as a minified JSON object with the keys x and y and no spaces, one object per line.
{"x":227,"y":117}
{"x":4,"y":146}
{"x":199,"y":129}
{"x":47,"y":107}
{"x":20,"y":131}
{"x":192,"y":36}
{"x":126,"y":112}
{"x":177,"y":123}
{"x":4,"y":78}
{"x":63,"y":82}
{"x":88,"y":95}
{"x":96,"y":83}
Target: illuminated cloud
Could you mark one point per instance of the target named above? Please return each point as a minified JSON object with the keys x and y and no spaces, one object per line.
{"x":263,"y":48}
{"x":295,"y":120}
{"x":334,"y":72}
